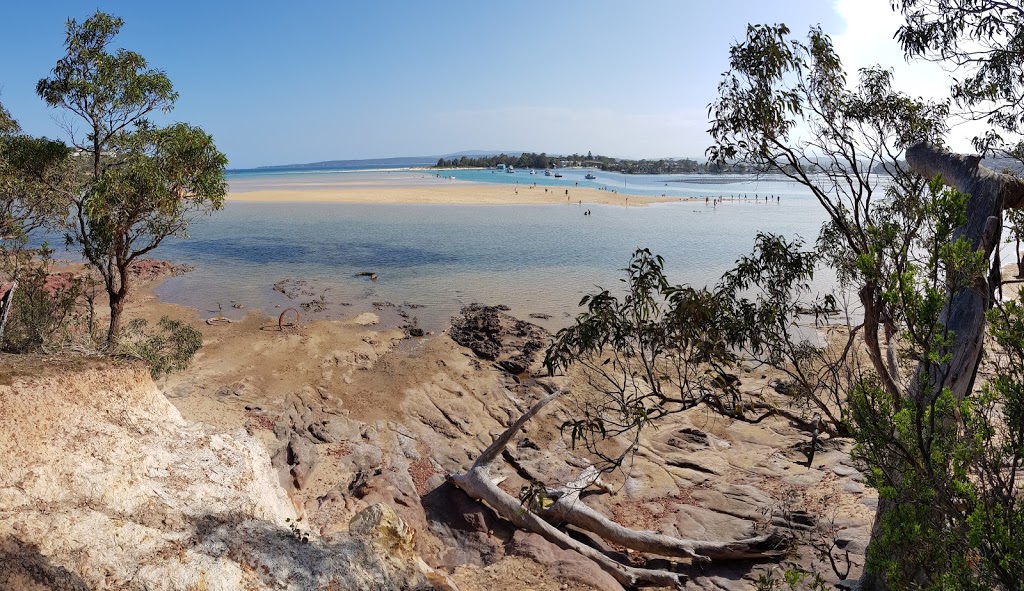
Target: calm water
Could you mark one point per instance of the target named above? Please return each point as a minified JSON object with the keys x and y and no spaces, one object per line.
{"x":534,"y":258}
{"x":674,"y":185}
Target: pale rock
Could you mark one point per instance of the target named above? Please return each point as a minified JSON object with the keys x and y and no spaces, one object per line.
{"x":105,"y":486}
{"x":366,"y":319}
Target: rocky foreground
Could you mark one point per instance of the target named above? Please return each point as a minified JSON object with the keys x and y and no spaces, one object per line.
{"x":318,"y":458}
{"x":105,"y":486}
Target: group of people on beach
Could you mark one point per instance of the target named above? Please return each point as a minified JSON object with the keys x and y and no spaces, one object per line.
{"x":757,"y":198}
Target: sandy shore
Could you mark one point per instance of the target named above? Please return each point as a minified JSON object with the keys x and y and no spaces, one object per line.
{"x":428,"y":190}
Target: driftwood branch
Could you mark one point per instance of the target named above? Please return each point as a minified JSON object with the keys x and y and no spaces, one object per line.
{"x":569,"y":508}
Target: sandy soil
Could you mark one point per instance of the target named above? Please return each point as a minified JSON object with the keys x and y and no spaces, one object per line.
{"x":432,"y":190}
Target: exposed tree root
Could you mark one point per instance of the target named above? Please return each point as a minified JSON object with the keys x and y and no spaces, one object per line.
{"x":568,"y":508}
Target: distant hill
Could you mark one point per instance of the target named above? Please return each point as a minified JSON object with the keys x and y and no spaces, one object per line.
{"x":371,"y":163}
{"x":399,"y":162}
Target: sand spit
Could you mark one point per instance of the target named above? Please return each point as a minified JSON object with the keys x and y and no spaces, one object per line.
{"x":429,"y":190}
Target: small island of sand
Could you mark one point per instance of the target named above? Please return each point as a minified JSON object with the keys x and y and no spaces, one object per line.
{"x":413,"y":186}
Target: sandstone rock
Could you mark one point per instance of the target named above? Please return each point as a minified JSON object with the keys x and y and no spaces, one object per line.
{"x":106,"y":487}
{"x":380,"y":524}
{"x":564,"y":564}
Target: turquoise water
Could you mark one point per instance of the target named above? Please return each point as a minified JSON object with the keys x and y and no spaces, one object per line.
{"x":538,"y":259}
{"x":674,"y":185}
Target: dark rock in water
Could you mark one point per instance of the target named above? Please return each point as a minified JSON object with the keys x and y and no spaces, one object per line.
{"x":293,"y":288}
{"x":495,"y":336}
{"x":415,"y":331}
{"x":540,"y":316}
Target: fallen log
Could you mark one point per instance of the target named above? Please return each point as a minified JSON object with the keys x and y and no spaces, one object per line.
{"x":478,"y":483}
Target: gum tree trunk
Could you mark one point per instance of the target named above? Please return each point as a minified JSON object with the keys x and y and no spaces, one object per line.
{"x":990,"y":192}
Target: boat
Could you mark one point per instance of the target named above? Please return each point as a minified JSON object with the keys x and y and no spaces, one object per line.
{"x":547,"y":173}
{"x":532,"y":171}
{"x":558,"y":175}
{"x":590,"y":176}
{"x":510,"y":169}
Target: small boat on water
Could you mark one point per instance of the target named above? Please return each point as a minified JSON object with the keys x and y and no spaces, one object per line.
{"x":510,"y":169}
{"x":590,"y":176}
{"x":532,"y":171}
{"x":558,"y":175}
{"x":547,"y":173}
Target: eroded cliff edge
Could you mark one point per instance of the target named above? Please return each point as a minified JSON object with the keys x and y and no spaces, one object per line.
{"x":106,"y":486}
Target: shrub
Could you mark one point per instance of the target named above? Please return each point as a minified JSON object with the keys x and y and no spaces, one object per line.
{"x":169,"y":349}
{"x":46,"y":310}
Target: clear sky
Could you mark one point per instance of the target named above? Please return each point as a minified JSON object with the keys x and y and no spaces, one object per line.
{"x":289,"y":82}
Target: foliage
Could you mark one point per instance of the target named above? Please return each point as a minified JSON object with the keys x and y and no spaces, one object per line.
{"x":46,"y":310}
{"x":767,"y":293}
{"x":644,"y":354}
{"x":984,"y":41}
{"x":662,"y":349}
{"x":540,"y":161}
{"x":896,"y":243}
{"x":136,"y":183}
{"x":920,"y":444}
{"x":1015,"y":226}
{"x":948,"y":466}
{"x":29,"y":168}
{"x":169,"y":349}
{"x":791,"y":580}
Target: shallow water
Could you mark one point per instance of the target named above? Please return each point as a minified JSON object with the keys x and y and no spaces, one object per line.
{"x":671,"y":185}
{"x":537,"y":259}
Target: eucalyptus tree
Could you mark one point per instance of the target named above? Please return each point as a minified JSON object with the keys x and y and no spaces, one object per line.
{"x":33,"y":176}
{"x":137,"y":183}
{"x":918,"y":257}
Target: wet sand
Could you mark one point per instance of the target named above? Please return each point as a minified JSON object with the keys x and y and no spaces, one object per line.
{"x":417,"y":187}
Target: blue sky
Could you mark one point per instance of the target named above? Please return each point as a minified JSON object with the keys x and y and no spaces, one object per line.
{"x":278,"y":82}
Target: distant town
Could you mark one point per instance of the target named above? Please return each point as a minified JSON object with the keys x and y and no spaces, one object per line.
{"x":607,"y":163}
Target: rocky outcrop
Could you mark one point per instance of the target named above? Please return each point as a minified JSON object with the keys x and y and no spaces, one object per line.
{"x":105,"y":486}
{"x":493,"y":335}
{"x":151,"y":269}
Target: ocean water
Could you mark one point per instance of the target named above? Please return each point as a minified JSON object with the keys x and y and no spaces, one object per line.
{"x":432,"y":259}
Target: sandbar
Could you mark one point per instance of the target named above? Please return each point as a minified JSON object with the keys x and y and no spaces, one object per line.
{"x":416,"y":188}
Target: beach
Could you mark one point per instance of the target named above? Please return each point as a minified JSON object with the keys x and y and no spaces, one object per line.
{"x":423,"y":187}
